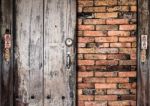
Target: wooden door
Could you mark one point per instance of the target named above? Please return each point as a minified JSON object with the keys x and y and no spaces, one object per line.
{"x":44,"y":53}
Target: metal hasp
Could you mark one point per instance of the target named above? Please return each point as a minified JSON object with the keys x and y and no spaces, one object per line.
{"x":143,"y":41}
{"x":7,"y":45}
{"x":143,"y":47}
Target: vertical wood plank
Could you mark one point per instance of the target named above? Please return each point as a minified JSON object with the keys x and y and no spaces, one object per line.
{"x":29,"y":52}
{"x":143,"y":84}
{"x":59,"y":24}
{"x":36,"y":54}
{"x":6,"y":84}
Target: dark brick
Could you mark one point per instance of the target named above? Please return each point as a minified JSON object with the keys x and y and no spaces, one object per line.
{"x":89,"y":91}
{"x":118,"y":68}
{"x":132,"y":79}
{"x":85,"y":15}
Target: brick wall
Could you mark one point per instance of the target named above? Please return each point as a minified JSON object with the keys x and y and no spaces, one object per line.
{"x":107,"y":52}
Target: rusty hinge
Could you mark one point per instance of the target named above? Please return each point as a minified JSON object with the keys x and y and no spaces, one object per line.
{"x":7,"y":45}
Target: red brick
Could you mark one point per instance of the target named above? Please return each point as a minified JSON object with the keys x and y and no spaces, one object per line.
{"x":95,"y":56}
{"x":86,"y":50}
{"x":96,"y":103}
{"x":96,"y":68}
{"x":127,"y":2}
{"x":127,"y":85}
{"x":105,"y":2}
{"x":106,"y":97}
{"x":94,"y":9}
{"x":85,"y":62}
{"x":127,"y":39}
{"x":105,"y":74}
{"x":80,"y":103}
{"x":94,"y":33}
{"x":107,"y":50}
{"x":118,"y":8}
{"x":94,"y":21}
{"x":120,"y":44}
{"x":134,"y":44}
{"x":79,"y":91}
{"x":105,"y":86}
{"x":117,"y":21}
{"x":106,"y":27}
{"x":106,"y":15}
{"x":127,"y":50}
{"x":81,"y":45}
{"x":120,"y":56}
{"x":106,"y":62}
{"x":127,"y":62}
{"x":80,"y":33}
{"x":94,"y":80}
{"x":80,"y":9}
{"x":79,"y":80}
{"x":118,"y":33}
{"x":127,"y":74}
{"x":100,"y":92}
{"x":85,"y":3}
{"x":80,"y":56}
{"x":117,"y":91}
{"x":117,"y":80}
{"x":85,"y":85}
{"x":86,"y":97}
{"x":133,"y":8}
{"x":85,"y":39}
{"x":98,"y":45}
{"x":86,"y":27}
{"x":119,"y":103}
{"x":106,"y":39}
{"x":127,"y":27}
{"x":85,"y":74}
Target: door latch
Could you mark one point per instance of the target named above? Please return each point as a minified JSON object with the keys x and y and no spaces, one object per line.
{"x":68,"y":60}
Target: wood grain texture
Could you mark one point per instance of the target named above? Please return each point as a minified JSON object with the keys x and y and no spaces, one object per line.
{"x":6,"y":78}
{"x":143,"y":98}
{"x":59,"y":24}
{"x":29,"y":53}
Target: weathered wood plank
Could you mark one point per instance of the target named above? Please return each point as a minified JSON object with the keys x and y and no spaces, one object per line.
{"x":29,"y":35}
{"x":59,"y":24}
{"x":36,"y":53}
{"x":143,"y":98}
{"x":6,"y":84}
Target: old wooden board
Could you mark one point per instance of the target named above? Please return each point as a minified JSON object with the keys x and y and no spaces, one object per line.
{"x":59,"y":24}
{"x":29,"y":52}
{"x":6,"y":67}
{"x":143,"y":84}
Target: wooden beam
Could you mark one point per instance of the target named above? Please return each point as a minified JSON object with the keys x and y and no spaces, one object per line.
{"x":143,"y":84}
{"x":6,"y":69}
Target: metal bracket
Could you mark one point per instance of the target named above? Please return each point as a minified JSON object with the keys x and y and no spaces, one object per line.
{"x":143,"y":41}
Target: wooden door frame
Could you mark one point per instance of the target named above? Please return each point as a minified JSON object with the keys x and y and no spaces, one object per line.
{"x":6,"y":16}
{"x":143,"y":68}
